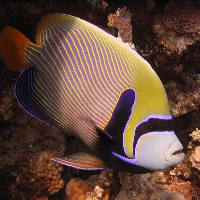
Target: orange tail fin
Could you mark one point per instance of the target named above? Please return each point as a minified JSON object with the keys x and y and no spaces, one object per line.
{"x":12,"y":43}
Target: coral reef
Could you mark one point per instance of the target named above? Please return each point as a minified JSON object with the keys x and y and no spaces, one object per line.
{"x":77,"y":189}
{"x":195,"y":137}
{"x":189,"y":169}
{"x":183,"y":98}
{"x":26,"y":134}
{"x":40,"y":177}
{"x":195,"y":158}
{"x":166,"y":33}
{"x":159,"y":180}
{"x":97,"y":187}
{"x":190,"y":101}
{"x":175,"y":196}
{"x":20,"y":135}
{"x":182,"y":17}
{"x":172,"y":42}
{"x":122,"y":21}
{"x":170,"y":184}
{"x":182,"y":170}
{"x":136,"y":186}
{"x":178,"y":179}
{"x":175,"y":53}
{"x":178,"y":27}
{"x":7,"y":104}
{"x":107,"y":185}
{"x":194,"y":149}
{"x":183,"y":188}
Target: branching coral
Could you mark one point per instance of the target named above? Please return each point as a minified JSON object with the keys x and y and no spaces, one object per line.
{"x":40,"y":177}
{"x":182,"y":169}
{"x":195,"y":158}
{"x":122,"y":21}
{"x":194,"y":147}
{"x":195,"y":135}
{"x":107,"y":184}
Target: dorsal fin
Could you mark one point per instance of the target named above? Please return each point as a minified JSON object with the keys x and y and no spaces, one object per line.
{"x":12,"y":43}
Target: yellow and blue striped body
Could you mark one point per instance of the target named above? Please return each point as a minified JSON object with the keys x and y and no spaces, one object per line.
{"x":82,"y":79}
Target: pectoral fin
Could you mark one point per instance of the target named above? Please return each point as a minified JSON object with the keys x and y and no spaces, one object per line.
{"x":81,"y":161}
{"x":101,"y":139}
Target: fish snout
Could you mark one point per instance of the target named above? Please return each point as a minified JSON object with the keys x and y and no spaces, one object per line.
{"x":174,"y":153}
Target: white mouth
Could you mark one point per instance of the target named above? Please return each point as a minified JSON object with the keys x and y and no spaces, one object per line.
{"x":174,"y":152}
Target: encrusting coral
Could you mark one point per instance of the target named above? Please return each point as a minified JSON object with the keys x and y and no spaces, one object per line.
{"x":183,"y":98}
{"x":77,"y":189}
{"x":159,"y":180}
{"x":191,"y":102}
{"x":122,"y":21}
{"x":40,"y":177}
{"x":182,"y":17}
{"x":95,"y":188}
{"x":136,"y":186}
{"x":183,"y":188}
{"x":178,"y":27}
{"x":177,"y":39}
{"x":170,"y":184}
{"x":7,"y":104}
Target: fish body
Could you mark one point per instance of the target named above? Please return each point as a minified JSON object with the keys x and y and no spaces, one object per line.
{"x":84,"y":81}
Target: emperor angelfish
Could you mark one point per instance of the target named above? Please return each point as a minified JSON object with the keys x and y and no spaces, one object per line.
{"x":86,"y":82}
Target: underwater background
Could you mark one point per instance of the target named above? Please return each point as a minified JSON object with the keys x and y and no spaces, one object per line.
{"x":167,"y":35}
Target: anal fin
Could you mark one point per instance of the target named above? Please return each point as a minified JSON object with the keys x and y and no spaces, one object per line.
{"x":81,"y":161}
